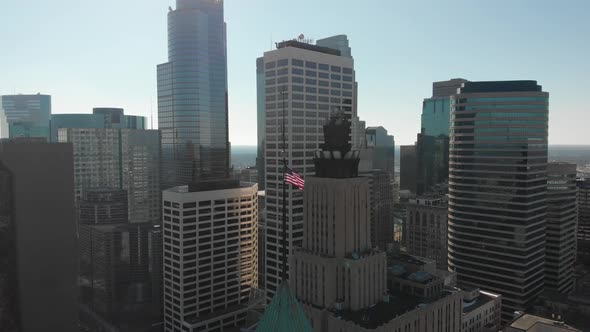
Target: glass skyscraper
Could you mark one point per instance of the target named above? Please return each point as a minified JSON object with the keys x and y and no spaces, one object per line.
{"x":27,"y":115}
{"x":498,"y":189}
{"x":192,"y":95}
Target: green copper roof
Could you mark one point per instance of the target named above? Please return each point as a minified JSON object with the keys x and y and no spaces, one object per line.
{"x":284,"y":313}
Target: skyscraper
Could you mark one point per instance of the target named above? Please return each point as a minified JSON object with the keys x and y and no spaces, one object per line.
{"x":192,"y":95}
{"x":562,"y":215}
{"x":309,"y":81}
{"x":432,"y":144}
{"x":210,"y":255}
{"x":119,"y":158}
{"x":27,"y":115}
{"x":38,"y":262}
{"x":497,"y":189}
{"x":426,"y":229}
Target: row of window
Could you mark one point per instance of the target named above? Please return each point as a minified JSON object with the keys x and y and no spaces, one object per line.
{"x":307,"y":64}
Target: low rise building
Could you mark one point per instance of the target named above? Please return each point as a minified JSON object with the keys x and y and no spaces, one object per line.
{"x":532,"y":323}
{"x":482,"y":311}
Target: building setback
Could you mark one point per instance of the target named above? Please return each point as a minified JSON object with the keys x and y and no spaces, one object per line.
{"x":192,"y":95}
{"x":309,"y":81}
{"x":210,"y":255}
{"x":498,"y":188}
{"x":38,"y":290}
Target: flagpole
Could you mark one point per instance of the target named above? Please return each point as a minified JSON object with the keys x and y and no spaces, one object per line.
{"x":284,"y":272}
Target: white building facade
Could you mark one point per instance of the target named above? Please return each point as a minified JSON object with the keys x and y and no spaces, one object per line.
{"x":210,"y":256}
{"x":314,"y":81}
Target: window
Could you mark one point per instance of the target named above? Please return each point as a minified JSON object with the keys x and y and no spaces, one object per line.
{"x":323,"y":66}
{"x":336,"y":69}
{"x":298,"y":63}
{"x":310,"y":64}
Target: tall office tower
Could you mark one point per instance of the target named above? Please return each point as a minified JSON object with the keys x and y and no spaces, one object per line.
{"x":210,"y":254}
{"x":432,"y":145}
{"x":383,"y":146}
{"x":119,"y":158}
{"x":562,"y":215}
{"x":407,"y":173}
{"x":27,"y":115}
{"x":192,"y":95}
{"x":309,"y":81}
{"x":336,"y":259}
{"x":38,"y":263}
{"x":583,"y":233}
{"x":426,"y":228}
{"x":497,"y":189}
{"x":115,"y":279}
{"x":377,"y":163}
{"x":101,"y":118}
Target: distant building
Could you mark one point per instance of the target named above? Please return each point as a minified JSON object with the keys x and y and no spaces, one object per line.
{"x":309,"y":81}
{"x":560,"y":252}
{"x":119,"y":158}
{"x":115,"y":279}
{"x":210,"y":255}
{"x":38,"y":269}
{"x":249,"y":174}
{"x":101,"y":118}
{"x":583,"y":233}
{"x":408,"y":168}
{"x":426,"y":228}
{"x":27,"y":115}
{"x":532,"y":323}
{"x":497,"y":189}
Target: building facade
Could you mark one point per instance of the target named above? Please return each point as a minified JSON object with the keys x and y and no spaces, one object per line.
{"x":38,"y":274}
{"x":119,"y":158}
{"x":308,"y":81}
{"x":426,"y":227}
{"x":408,"y":164}
{"x":115,"y":281}
{"x":583,"y":234}
{"x":101,"y":118}
{"x":562,"y":217}
{"x":210,"y":255}
{"x":497,"y":189}
{"x":192,"y":95}
{"x":27,"y":115}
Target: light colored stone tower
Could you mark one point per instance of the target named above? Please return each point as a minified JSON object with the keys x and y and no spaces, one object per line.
{"x":336,"y":267}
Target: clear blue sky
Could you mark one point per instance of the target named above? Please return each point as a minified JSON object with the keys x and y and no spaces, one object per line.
{"x":104,"y":53}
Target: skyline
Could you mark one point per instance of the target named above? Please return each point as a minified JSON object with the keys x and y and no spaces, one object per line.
{"x":97,"y":65}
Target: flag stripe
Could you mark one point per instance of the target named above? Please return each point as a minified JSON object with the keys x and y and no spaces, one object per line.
{"x":293,"y":178}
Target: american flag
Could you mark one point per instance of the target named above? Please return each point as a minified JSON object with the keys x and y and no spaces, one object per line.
{"x":293,"y":178}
